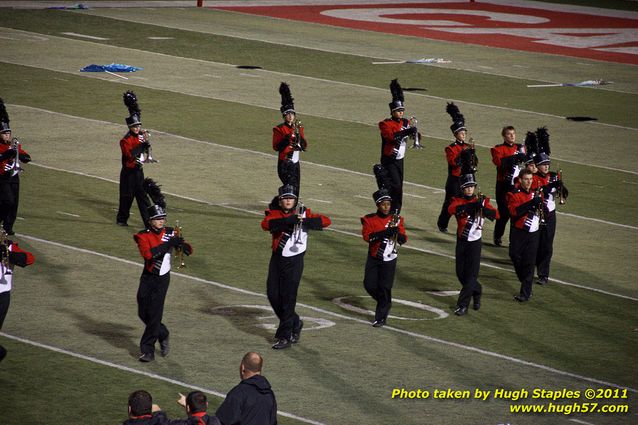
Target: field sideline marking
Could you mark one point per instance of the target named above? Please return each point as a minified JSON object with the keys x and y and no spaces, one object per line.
{"x":279,"y":43}
{"x":345,"y":232}
{"x":445,"y":99}
{"x":269,"y":155}
{"x":343,"y":316}
{"x":141,"y":372}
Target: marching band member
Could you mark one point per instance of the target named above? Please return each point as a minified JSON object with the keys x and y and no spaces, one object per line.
{"x":507,"y":157}
{"x":10,"y":256}
{"x":156,"y":244}
{"x":470,"y":211}
{"x":525,"y":207}
{"x":132,"y":174}
{"x":383,"y":231}
{"x":394,"y":137}
{"x":288,"y":222}
{"x":461,"y":159}
{"x":289,"y":140}
{"x":9,"y":173}
{"x":552,"y":185}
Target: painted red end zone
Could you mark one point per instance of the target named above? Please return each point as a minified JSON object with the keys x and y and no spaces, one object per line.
{"x":555,"y":20}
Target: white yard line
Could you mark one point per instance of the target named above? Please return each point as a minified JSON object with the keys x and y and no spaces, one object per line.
{"x":90,"y":37}
{"x":343,"y":316}
{"x":140,"y":372}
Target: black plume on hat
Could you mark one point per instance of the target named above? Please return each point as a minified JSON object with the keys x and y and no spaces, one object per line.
{"x":154,"y":192}
{"x":158,"y":207}
{"x":287,"y":102}
{"x":542,"y":136}
{"x":4,"y":118}
{"x":397,"y":95}
{"x":531,"y":143}
{"x":130,"y":100}
{"x":458,"y":120}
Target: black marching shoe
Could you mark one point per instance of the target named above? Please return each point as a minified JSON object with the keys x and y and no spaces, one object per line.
{"x":121,"y":223}
{"x":296,"y":333}
{"x":281,"y":344}
{"x":442,"y":229}
{"x":498,"y":242}
{"x":476,"y":302}
{"x":542,"y":280}
{"x":164,"y":347}
{"x":147,"y":357}
{"x":460,"y":311}
{"x":521,"y":298}
{"x":378,"y":323}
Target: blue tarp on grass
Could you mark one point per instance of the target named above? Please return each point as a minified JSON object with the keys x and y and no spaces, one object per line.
{"x":114,"y":67}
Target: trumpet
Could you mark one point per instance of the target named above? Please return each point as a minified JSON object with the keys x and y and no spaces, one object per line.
{"x":296,"y":125}
{"x":146,"y":157}
{"x":4,"y":250}
{"x":394,"y":222}
{"x":179,"y":252}
{"x":473,"y":157}
{"x":561,"y":190}
{"x":298,"y":227}
{"x":540,"y":212}
{"x":479,"y":214}
{"x":416,"y":137}
{"x":15,"y":167}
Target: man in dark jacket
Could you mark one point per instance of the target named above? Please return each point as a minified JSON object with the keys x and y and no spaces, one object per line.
{"x":251,"y":402}
{"x":142,"y":411}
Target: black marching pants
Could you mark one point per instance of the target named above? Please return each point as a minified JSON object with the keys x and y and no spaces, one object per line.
{"x":546,"y":245}
{"x":131,"y":187}
{"x":150,"y":308}
{"x":394,"y":167}
{"x":468,"y":262}
{"x":378,"y":281}
{"x":284,"y":276}
{"x":504,"y":213}
{"x":523,"y":249}
{"x":452,"y":188}
{"x":9,"y":198}
{"x":5,"y":300}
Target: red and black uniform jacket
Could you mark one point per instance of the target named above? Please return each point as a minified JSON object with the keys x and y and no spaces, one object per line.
{"x":157,"y":418}
{"x":17,"y":257}
{"x":380,"y":237}
{"x":199,"y":418}
{"x":281,"y":224}
{"x":283,"y":141}
{"x":524,"y":207}
{"x":154,"y":245}
{"x":393,"y":134}
{"x":458,"y":156}
{"x":132,"y":146}
{"x":470,"y":215}
{"x":551,"y":184}
{"x":505,"y":156}
{"x":7,"y":159}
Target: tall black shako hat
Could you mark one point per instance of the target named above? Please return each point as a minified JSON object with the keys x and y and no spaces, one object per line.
{"x":458,"y":120}
{"x":397,"y":96}
{"x":531,"y":147}
{"x":543,"y":146}
{"x":381,"y":195}
{"x":135,"y":114}
{"x":4,"y":118}
{"x":467,"y":180}
{"x":287,"y":104}
{"x":287,"y":191}
{"x":158,"y":207}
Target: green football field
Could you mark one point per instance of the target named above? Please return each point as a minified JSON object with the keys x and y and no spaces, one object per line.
{"x":72,"y":330}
